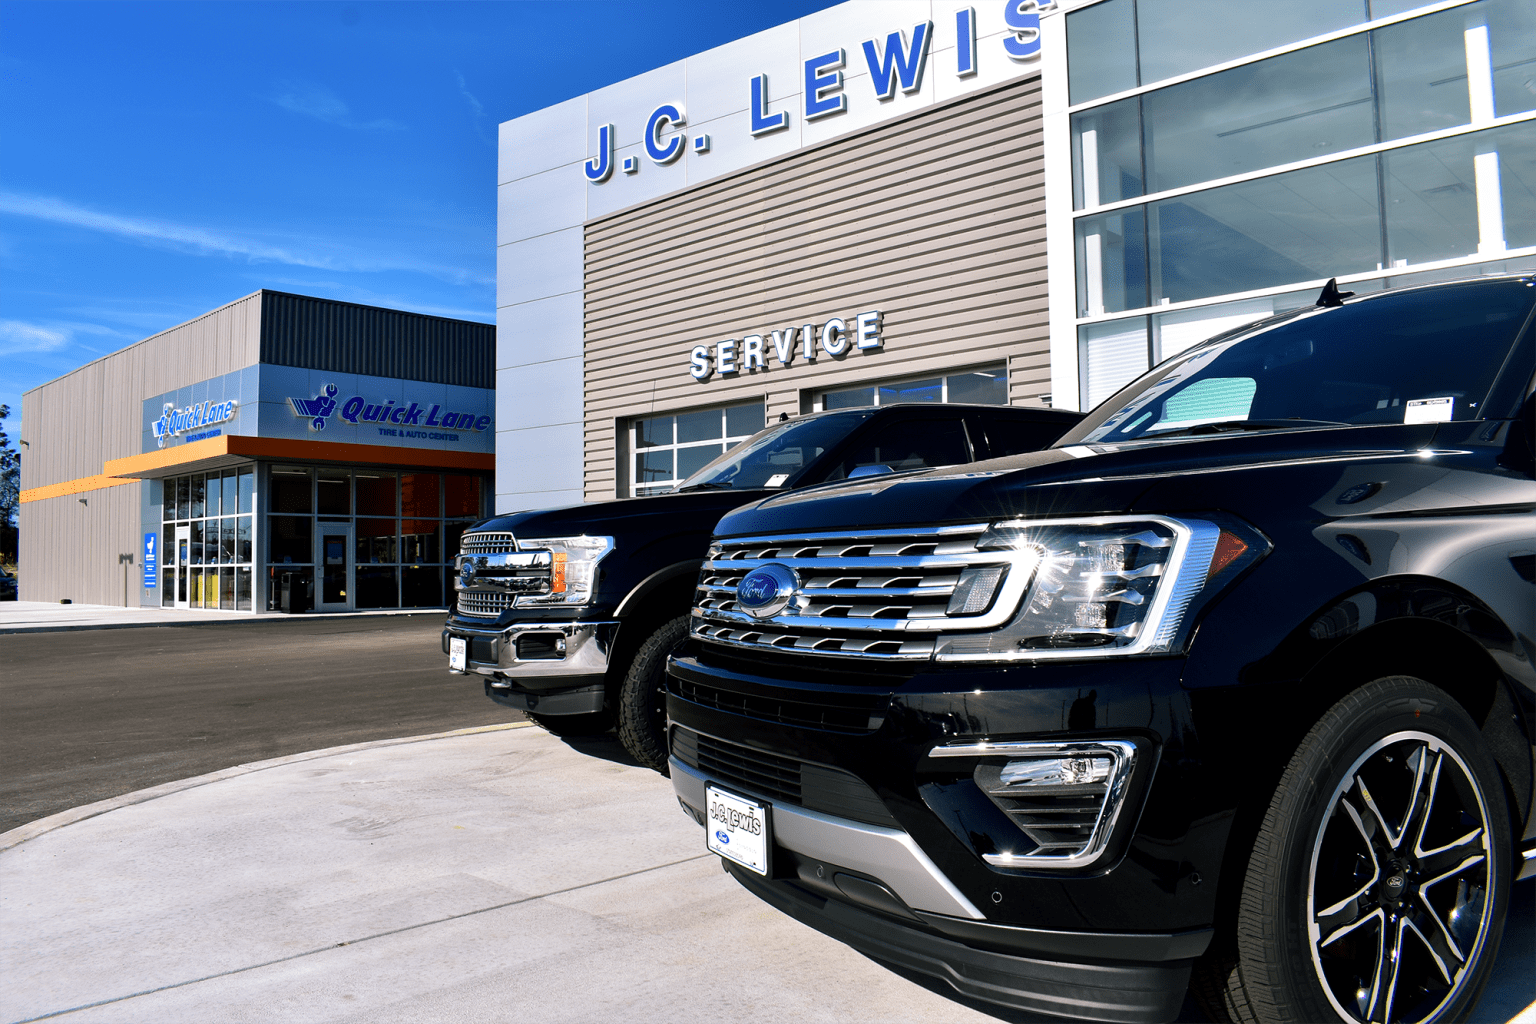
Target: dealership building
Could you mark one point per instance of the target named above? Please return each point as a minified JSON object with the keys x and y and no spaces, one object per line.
{"x":886,"y":201}
{"x":962,"y":200}
{"x":280,"y":453}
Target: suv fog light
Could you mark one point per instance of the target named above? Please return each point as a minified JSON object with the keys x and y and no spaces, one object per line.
{"x":1064,"y":797}
{"x":1059,"y":771}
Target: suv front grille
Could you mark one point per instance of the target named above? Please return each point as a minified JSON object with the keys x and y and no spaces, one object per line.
{"x":875,"y":594}
{"x":483,"y":604}
{"x":832,"y":711}
{"x":781,"y":779}
{"x":487,"y":544}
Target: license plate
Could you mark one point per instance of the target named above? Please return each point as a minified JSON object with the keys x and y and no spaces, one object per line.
{"x":737,"y":829}
{"x":458,"y":654}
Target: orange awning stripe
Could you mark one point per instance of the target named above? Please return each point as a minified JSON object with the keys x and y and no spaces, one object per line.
{"x":116,"y":472}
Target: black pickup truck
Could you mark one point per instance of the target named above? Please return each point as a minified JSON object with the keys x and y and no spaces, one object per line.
{"x":569,"y":613}
{"x":1234,"y":687}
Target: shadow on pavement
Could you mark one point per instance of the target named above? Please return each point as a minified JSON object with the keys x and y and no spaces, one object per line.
{"x":608,"y":748}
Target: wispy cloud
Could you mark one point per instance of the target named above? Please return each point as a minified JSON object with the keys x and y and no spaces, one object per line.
{"x":322,"y":104}
{"x":18,"y":336}
{"x":476,"y":108}
{"x":317,"y":254}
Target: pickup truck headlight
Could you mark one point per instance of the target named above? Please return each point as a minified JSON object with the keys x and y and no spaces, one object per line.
{"x":1104,"y":586}
{"x":572,"y":569}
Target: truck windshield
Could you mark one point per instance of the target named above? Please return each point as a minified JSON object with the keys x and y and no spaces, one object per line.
{"x":1415,"y":357}
{"x":775,"y":456}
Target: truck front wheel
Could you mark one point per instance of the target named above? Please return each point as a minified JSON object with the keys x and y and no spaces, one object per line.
{"x":643,"y":697}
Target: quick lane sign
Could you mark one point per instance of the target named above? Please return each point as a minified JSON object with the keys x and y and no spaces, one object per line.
{"x":151,"y":559}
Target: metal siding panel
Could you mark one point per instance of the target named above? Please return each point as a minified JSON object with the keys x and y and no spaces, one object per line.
{"x":937,"y":220}
{"x":321,"y":334}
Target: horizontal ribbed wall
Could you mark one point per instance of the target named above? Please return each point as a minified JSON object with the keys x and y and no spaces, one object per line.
{"x":937,"y":220}
{"x":322,"y":334}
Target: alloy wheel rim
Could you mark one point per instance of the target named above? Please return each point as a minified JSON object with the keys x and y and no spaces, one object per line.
{"x":1398,"y":884}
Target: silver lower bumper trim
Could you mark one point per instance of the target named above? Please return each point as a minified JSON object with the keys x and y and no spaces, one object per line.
{"x":887,"y":854}
{"x":587,"y":649}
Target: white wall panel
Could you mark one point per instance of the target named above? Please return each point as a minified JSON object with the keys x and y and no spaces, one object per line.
{"x":536,"y":268}
{"x":539,"y":394}
{"x":720,"y":80}
{"x":538,"y":204}
{"x":541,"y":329}
{"x":552,"y":137}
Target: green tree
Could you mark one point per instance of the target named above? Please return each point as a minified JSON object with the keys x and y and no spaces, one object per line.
{"x":10,"y":474}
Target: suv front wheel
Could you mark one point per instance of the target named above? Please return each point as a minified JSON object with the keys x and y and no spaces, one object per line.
{"x":1379,"y":881}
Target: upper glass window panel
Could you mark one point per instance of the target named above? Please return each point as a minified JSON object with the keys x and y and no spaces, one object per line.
{"x":1180,"y":36}
{"x":1512,"y":42}
{"x":1101,"y":50}
{"x":1292,"y":107}
{"x":1421,"y":73}
{"x":1106,"y":154}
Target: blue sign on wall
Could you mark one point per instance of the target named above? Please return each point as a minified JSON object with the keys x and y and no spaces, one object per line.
{"x":151,"y":559}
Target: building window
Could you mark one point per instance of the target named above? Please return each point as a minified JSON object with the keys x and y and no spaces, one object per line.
{"x":405,"y":530}
{"x":205,"y":540}
{"x":666,"y":450}
{"x":986,"y":385}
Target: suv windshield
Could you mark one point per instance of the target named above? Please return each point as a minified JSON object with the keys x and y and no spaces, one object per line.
{"x":775,"y":455}
{"x":1413,"y":357}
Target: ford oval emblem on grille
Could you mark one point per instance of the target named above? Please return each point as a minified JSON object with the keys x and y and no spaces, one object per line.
{"x":467,"y":574}
{"x":766,"y":590}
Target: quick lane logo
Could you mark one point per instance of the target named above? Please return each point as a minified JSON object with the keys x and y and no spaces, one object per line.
{"x":317,"y":409}
{"x":174,"y":422}
{"x":357,"y":411}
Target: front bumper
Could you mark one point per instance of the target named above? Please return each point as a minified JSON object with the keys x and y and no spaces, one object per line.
{"x":537,"y":656}
{"x":873,"y":888}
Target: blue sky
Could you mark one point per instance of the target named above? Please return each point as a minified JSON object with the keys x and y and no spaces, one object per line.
{"x":158,"y":160}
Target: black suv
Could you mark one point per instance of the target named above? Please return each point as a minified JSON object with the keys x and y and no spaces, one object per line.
{"x":569,"y":613}
{"x":1234,"y":683}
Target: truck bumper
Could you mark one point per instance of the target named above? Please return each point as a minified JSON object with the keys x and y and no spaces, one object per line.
{"x":537,"y":657}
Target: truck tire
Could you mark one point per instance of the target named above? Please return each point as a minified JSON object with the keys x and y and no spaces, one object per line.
{"x":643,"y":697}
{"x":1380,"y":878}
{"x":593,"y":724}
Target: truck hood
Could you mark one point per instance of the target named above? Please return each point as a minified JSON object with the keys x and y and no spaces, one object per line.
{"x":1072,"y":480}
{"x":657,"y":514}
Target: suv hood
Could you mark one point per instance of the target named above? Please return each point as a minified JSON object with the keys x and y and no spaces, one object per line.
{"x":1073,"y":480}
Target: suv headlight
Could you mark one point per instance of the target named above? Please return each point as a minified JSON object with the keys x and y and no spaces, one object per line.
{"x":1104,"y":586}
{"x":572,"y":569}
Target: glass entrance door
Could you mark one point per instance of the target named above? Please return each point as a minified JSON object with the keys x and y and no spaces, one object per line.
{"x":183,"y":560}
{"x":334,"y":566}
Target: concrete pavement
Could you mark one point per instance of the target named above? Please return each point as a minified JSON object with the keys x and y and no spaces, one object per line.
{"x":488,"y":875}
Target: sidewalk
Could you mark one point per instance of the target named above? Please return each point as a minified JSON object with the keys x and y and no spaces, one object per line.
{"x":489,"y":875}
{"x":43,"y":617}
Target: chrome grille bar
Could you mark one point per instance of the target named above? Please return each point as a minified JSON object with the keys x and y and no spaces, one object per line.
{"x":868,"y":595}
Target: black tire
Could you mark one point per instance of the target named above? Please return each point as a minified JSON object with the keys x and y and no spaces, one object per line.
{"x":643,"y":697}
{"x":1388,"y":831}
{"x":594,"y":723}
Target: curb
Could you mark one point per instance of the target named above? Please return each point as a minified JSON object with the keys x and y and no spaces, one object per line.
{"x":32,"y":829}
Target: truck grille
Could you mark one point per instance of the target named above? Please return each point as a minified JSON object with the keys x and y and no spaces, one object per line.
{"x":874,"y":594}
{"x":483,"y":604}
{"x":487,"y":544}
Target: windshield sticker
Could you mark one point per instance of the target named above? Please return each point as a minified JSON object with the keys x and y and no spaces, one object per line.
{"x":1429,"y":410}
{"x":777,"y":480}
